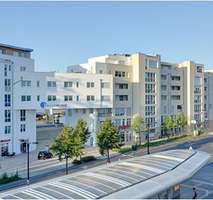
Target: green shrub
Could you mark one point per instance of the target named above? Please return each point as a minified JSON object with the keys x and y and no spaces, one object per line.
{"x":7,"y":179}
{"x":88,"y":158}
{"x":76,"y":162}
{"x":124,"y":149}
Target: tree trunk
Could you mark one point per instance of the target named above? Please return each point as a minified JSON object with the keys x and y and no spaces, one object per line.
{"x":66,"y":165}
{"x":108,"y":157}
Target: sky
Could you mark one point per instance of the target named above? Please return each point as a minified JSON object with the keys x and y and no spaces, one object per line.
{"x":67,"y":33}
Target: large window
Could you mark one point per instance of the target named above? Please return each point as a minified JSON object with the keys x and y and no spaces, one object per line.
{"x":7,"y":100}
{"x":23,"y":128}
{"x":121,"y":97}
{"x":22,"y":115}
{"x":149,"y":77}
{"x":90,"y":84}
{"x":25,"y":83}
{"x":175,"y":78}
{"x":7,"y":85}
{"x":149,"y":88}
{"x":7,"y":129}
{"x":120,"y":74}
{"x":7,"y":116}
{"x":121,"y":85}
{"x":119,"y":111}
{"x":153,"y":63}
{"x":149,"y":110}
{"x":175,"y":87}
{"x":68,"y":98}
{"x":150,"y":99}
{"x":25,"y":98}
{"x":67,"y":84}
{"x":90,"y":98}
{"x":51,"y":83}
{"x":51,"y":98}
{"x":175,"y":97}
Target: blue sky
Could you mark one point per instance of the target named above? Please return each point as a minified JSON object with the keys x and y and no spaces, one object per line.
{"x":64,"y":33}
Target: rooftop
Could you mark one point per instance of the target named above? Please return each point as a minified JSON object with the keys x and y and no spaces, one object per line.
{"x":15,"y":47}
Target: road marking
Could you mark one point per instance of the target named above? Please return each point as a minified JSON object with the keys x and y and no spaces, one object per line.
{"x":168,"y":157}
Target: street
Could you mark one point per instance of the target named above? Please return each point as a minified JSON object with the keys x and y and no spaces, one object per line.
{"x":47,"y":169}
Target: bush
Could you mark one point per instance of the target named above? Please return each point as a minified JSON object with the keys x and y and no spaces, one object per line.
{"x":124,"y":149}
{"x":88,"y":158}
{"x":76,"y":162}
{"x":7,"y":179}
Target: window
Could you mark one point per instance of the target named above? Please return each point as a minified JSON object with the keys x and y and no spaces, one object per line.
{"x":105,"y":98}
{"x":121,"y":97}
{"x":175,"y":97}
{"x":120,"y":74}
{"x":38,"y":83}
{"x":77,"y":84}
{"x":7,"y":100}
{"x":68,"y":98}
{"x":77,"y":98}
{"x":26,"y":98}
{"x":153,"y":63}
{"x":67,"y":84}
{"x":179,"y":107}
{"x":163,"y":87}
{"x":38,"y":98}
{"x":5,"y":70}
{"x":7,"y":115}
{"x":51,"y":98}
{"x":90,"y":98}
{"x":149,"y":110}
{"x":149,"y":77}
{"x":25,"y":83}
{"x":175,"y":87}
{"x":22,"y":68}
{"x":150,"y":99}
{"x":121,"y":86}
{"x":7,"y":129}
{"x":150,"y":88}
{"x":51,"y":83}
{"x":22,"y":115}
{"x":7,"y":85}
{"x":163,"y":97}
{"x":22,"y":127}
{"x":163,"y":76}
{"x":105,"y":85}
{"x":199,"y":69}
{"x":90,"y":84}
{"x":119,"y":111}
{"x":197,"y":81}
{"x":175,"y":78}
{"x":100,"y":71}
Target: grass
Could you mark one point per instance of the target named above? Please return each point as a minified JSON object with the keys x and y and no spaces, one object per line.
{"x":7,"y":179}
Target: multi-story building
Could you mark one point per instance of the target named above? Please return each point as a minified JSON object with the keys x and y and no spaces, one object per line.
{"x":115,"y":86}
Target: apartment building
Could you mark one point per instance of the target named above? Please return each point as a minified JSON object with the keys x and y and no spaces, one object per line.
{"x":116,"y":86}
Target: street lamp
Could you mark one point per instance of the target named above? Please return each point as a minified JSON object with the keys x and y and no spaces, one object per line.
{"x":28,"y":160}
{"x":12,"y":106}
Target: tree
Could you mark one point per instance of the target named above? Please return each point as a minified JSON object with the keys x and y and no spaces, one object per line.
{"x":168,"y":124}
{"x":136,"y":125}
{"x":81,"y":130}
{"x":66,"y":145}
{"x":107,"y":138}
{"x":181,"y":120}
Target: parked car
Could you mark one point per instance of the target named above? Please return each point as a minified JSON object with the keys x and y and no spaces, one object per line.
{"x":42,"y":155}
{"x":6,"y":153}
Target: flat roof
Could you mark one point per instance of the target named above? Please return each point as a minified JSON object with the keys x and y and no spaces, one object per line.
{"x":15,"y":47}
{"x":108,"y":181}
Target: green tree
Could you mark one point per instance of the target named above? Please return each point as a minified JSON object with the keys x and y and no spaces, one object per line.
{"x":66,"y":145}
{"x":82,"y":130}
{"x":107,"y":138}
{"x":168,"y":125}
{"x":181,"y":121}
{"x":136,"y":126}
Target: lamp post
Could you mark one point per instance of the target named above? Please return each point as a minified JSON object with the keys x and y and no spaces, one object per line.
{"x":28,"y":160}
{"x":148,"y":129}
{"x":12,"y":105}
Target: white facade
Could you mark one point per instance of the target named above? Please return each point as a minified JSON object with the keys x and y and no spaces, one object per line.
{"x":116,"y":86}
